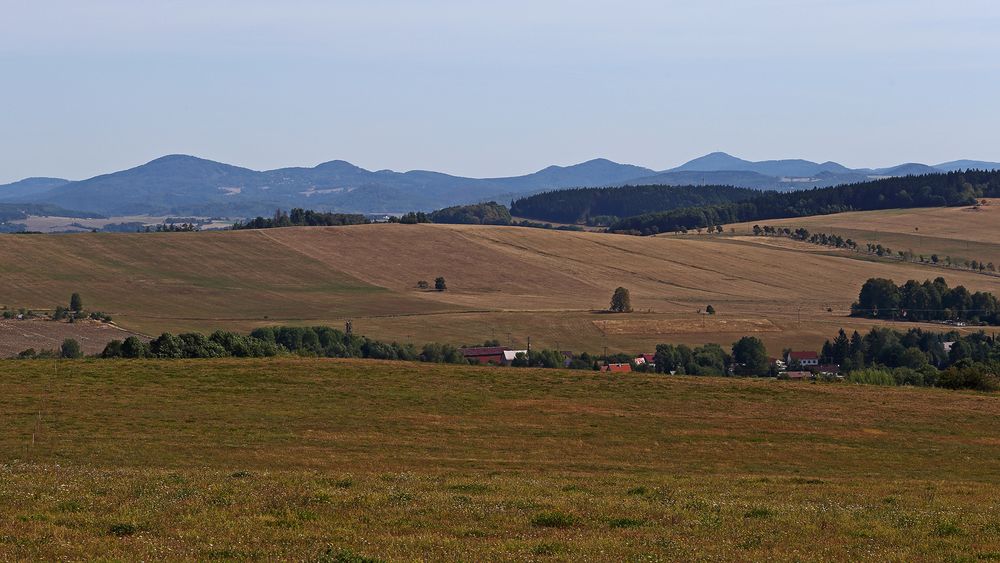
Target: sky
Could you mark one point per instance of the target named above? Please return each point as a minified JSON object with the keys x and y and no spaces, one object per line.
{"x":494,"y":88}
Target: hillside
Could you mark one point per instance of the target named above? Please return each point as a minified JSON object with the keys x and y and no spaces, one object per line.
{"x":583,"y":204}
{"x":503,"y":282}
{"x":930,"y":190}
{"x":963,"y":233}
{"x":285,"y":459}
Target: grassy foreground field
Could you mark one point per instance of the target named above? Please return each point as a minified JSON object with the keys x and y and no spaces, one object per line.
{"x":505,"y":283}
{"x":305,"y":459}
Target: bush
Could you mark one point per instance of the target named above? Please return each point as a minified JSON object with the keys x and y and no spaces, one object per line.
{"x":71,"y":349}
{"x":553,"y":520}
{"x":871,"y":376}
{"x":133,"y":347}
{"x":965,"y":375}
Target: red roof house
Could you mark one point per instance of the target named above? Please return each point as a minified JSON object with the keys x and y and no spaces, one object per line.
{"x":484,"y":354}
{"x":803,"y":358}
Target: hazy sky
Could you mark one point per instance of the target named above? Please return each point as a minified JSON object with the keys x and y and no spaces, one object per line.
{"x":493,"y":88}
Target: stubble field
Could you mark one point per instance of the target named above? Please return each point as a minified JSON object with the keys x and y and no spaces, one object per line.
{"x":504,"y":283}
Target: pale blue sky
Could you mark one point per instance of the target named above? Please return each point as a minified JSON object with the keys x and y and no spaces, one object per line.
{"x":493,"y":88}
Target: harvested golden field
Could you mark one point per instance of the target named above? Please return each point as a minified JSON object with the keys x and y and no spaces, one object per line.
{"x":503,"y":282}
{"x":964,"y":233}
{"x":300,"y":458}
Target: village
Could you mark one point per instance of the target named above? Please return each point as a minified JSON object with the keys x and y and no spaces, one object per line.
{"x":793,"y":365}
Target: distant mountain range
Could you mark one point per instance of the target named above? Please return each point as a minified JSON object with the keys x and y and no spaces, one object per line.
{"x":186,"y":185}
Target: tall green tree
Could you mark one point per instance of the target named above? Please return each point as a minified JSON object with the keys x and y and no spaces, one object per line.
{"x":750,"y":356}
{"x":621,"y":301}
{"x":76,"y":303}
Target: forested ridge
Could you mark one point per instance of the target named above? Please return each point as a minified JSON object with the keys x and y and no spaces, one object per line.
{"x":582,"y":205}
{"x":932,"y":190}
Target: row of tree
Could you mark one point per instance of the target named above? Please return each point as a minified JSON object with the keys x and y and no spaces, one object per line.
{"x":299,"y":217}
{"x":603,"y":206}
{"x":319,"y":341}
{"x":876,"y":249}
{"x":927,"y":301}
{"x":932,"y":190}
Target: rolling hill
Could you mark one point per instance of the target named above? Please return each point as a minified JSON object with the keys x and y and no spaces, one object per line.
{"x":186,"y":185}
{"x":506,"y":283}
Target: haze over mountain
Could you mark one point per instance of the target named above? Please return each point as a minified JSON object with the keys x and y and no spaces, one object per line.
{"x":181,"y":184}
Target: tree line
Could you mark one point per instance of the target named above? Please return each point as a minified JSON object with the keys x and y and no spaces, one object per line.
{"x":932,"y":190}
{"x":318,"y":341}
{"x":927,"y":301}
{"x":916,"y":357}
{"x":299,"y":217}
{"x":603,"y":206}
{"x":882,"y":356}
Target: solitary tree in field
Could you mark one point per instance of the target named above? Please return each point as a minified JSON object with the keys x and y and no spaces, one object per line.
{"x":621,"y":301}
{"x":76,"y":303}
{"x":439,"y":284}
{"x":710,"y":310}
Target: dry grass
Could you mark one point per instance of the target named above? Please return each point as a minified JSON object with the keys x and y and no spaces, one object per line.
{"x":502,"y":281}
{"x":283,"y":458}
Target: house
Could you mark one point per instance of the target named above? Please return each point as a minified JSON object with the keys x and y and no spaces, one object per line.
{"x":798,"y":375}
{"x":826,"y":369}
{"x":804,"y":359}
{"x":511,"y":355}
{"x":485,"y":354}
{"x":644,"y":359}
{"x":617,"y":368}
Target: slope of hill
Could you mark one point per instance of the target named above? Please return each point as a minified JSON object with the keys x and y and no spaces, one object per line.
{"x":29,"y":188}
{"x":581,"y":204}
{"x":720,"y":161}
{"x":503,"y":282}
{"x":967,"y":165}
{"x":961,"y":233}
{"x":290,"y":458}
{"x":184,"y":185}
{"x":932,"y":190}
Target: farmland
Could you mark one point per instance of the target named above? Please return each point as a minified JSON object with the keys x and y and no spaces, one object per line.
{"x":964,"y":233}
{"x":288,"y":458}
{"x":503,"y":282}
{"x":19,"y":335}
